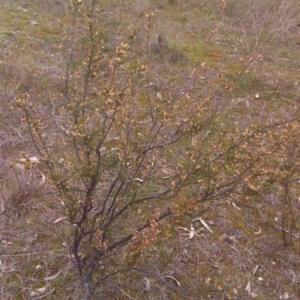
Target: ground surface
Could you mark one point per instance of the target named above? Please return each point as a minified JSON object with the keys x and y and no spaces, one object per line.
{"x":248,"y":57}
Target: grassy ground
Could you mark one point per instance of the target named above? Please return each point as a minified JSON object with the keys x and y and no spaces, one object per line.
{"x":248,"y":59}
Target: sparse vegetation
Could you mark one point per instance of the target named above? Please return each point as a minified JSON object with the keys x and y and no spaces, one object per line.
{"x":149,"y":150}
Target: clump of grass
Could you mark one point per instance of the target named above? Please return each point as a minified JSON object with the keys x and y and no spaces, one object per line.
{"x":161,"y":48}
{"x":22,"y":188}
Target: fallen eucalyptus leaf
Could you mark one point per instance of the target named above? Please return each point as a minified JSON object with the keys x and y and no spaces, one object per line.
{"x":255,"y":269}
{"x":41,"y":290}
{"x":159,"y":95}
{"x":235,"y":206}
{"x":203,"y":223}
{"x":248,"y":287}
{"x":171,"y":277}
{"x":140,"y":180}
{"x":192,"y":232}
{"x":258,"y":232}
{"x":59,"y":219}
{"x":53,"y":277}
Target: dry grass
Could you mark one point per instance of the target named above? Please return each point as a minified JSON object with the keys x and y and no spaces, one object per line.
{"x":262,"y":22}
